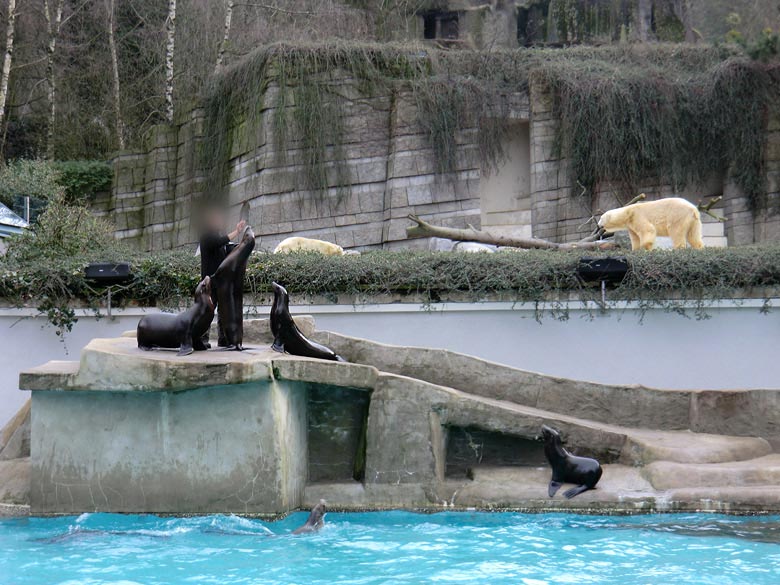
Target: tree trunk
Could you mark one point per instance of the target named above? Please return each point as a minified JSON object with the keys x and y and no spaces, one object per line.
{"x":53,"y":23}
{"x":682,"y":10}
{"x":226,"y":35}
{"x":170,"y":28}
{"x":118,"y":122}
{"x":424,"y":229}
{"x":9,"y":51}
{"x":644,"y":20}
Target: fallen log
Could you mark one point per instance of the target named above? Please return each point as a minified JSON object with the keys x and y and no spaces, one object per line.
{"x":705,"y":208}
{"x":424,"y":229}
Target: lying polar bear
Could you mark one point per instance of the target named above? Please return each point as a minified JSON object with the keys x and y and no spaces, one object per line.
{"x":674,"y":217}
{"x":298,"y":244}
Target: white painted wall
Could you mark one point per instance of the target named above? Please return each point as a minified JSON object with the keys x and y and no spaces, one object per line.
{"x":737,"y":347}
{"x":27,"y":342}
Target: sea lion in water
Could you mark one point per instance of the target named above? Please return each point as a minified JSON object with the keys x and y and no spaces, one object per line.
{"x":287,"y":337}
{"x":568,"y":468}
{"x":229,"y":282}
{"x":183,"y":330}
{"x":315,"y":521}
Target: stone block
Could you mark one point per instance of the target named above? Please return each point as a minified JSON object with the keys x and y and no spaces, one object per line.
{"x":712,"y":229}
{"x":398,"y":198}
{"x":443,"y":191}
{"x":404,"y":165}
{"x":372,"y":171}
{"x":367,"y":236}
{"x":345,"y":239}
{"x":372,"y":202}
{"x":145,"y":460}
{"x":419,"y":195}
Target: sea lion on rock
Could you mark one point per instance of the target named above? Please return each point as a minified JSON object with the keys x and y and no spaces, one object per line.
{"x":287,"y":337}
{"x":229,"y":282}
{"x":315,"y":521}
{"x":568,"y":468}
{"x":184,"y":330}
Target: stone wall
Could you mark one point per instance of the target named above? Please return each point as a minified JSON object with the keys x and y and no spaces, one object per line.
{"x":393,"y":172}
{"x":211,"y":448}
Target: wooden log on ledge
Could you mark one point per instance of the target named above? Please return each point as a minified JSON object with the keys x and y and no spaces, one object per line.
{"x":424,"y":229}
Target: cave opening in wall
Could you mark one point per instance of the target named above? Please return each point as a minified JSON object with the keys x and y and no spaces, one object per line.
{"x":532,"y":22}
{"x":440,"y":25}
{"x":337,"y":420}
{"x":505,"y":192}
{"x":470,"y":447}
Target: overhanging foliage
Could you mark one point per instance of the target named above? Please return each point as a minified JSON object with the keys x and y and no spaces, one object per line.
{"x":627,"y":112}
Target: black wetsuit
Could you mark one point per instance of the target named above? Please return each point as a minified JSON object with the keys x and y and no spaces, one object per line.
{"x":214,"y":247}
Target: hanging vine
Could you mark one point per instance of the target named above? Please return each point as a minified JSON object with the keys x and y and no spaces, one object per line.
{"x":626,"y":112}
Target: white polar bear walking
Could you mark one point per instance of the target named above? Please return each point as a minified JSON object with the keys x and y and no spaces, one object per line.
{"x":674,"y":217}
{"x":299,"y":244}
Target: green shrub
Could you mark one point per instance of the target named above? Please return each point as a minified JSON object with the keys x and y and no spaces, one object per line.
{"x":82,"y":179}
{"x":28,"y":178}
{"x":665,"y":278}
{"x":766,"y":47}
{"x":45,"y":264}
{"x":78,"y":180}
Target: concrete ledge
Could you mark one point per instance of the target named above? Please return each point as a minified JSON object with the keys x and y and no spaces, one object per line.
{"x":125,"y":430}
{"x":729,"y":412}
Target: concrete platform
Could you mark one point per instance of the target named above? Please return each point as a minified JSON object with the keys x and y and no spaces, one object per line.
{"x":124,"y":430}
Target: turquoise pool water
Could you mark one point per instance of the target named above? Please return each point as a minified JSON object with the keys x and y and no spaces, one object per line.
{"x":392,"y":547}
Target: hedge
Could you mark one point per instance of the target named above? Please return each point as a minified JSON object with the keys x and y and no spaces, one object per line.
{"x":663,"y":277}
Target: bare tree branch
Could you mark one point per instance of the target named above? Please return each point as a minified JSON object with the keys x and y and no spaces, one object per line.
{"x":425,"y":229}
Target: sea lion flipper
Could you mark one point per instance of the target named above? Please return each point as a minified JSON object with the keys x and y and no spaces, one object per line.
{"x":575,"y":491}
{"x":185,"y":350}
{"x":553,"y":488}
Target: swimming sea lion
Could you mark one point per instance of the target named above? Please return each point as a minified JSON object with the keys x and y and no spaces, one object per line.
{"x":229,"y":282}
{"x":315,"y":521}
{"x":287,"y":337}
{"x":184,"y":330}
{"x":568,"y":468}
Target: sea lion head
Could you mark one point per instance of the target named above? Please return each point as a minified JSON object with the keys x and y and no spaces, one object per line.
{"x":550,"y":435}
{"x":317,"y":515}
{"x":280,"y":291}
{"x":247,"y":234}
{"x":203,"y":291}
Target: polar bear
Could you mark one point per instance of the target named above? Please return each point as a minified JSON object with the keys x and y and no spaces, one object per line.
{"x":674,"y":217}
{"x":298,"y":244}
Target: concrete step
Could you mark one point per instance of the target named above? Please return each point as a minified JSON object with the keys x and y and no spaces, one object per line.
{"x":762,"y":471}
{"x":622,"y":489}
{"x":625,"y":445}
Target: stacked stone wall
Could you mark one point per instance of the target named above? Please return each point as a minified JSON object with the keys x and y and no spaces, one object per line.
{"x":392,"y":173}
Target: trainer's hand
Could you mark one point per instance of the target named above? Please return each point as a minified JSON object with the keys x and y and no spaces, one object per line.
{"x":240,"y":225}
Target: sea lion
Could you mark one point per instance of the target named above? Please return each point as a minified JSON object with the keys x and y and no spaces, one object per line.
{"x":315,"y":521}
{"x":229,"y":282}
{"x":183,"y":330}
{"x":568,"y":468}
{"x":287,"y":337}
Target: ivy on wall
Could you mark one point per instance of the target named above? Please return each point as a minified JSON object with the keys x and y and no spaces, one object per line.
{"x":677,"y":115}
{"x":626,"y":112}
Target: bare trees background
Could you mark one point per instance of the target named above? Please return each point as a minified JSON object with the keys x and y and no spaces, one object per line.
{"x":82,"y":78}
